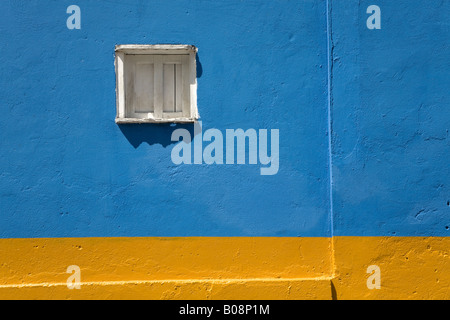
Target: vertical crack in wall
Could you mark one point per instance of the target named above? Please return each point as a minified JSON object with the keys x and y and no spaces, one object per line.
{"x":330,"y":49}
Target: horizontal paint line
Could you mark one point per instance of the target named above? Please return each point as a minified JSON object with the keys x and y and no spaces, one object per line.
{"x":169,"y":238}
{"x":181,"y":281}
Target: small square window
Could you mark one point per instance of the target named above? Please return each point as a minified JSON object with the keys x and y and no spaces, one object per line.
{"x":156,"y":83}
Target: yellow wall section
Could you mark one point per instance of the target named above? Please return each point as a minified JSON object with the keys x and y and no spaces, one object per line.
{"x":226,"y":268}
{"x":411,"y":267}
{"x":161,"y":268}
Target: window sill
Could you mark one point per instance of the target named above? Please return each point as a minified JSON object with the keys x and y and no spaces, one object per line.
{"x":139,"y":121}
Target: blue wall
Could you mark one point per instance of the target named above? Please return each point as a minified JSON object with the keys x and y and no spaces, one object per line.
{"x":67,"y":170}
{"x":391,"y":119}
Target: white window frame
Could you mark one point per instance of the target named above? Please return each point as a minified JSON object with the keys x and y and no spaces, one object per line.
{"x":183,"y":55}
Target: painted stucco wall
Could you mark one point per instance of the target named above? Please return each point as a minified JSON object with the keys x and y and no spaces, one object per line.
{"x":69,"y":171}
{"x":391,"y":119}
{"x":363,"y":179}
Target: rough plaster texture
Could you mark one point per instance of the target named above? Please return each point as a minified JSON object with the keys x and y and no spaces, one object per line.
{"x":391,"y":120}
{"x":67,"y":170}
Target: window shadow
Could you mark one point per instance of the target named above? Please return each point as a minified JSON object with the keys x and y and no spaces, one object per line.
{"x":199,"y":66}
{"x":152,"y":134}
